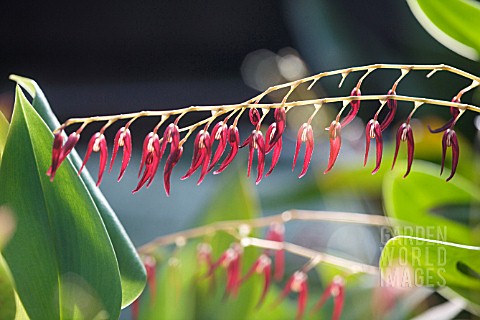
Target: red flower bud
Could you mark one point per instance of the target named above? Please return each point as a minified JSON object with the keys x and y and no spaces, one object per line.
{"x":335,"y":143}
{"x":97,"y":144}
{"x":405,"y":133}
{"x":123,"y":139}
{"x":234,"y":142}
{"x":373,"y":131}
{"x":450,"y":140}
{"x":305,"y":134}
{"x":355,"y":107}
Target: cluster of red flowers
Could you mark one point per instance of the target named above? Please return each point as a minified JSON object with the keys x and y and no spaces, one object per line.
{"x":206,"y":158}
{"x":231,"y":261}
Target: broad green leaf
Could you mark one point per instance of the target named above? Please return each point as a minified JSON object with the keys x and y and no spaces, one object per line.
{"x":60,"y":255}
{"x":7,"y":293}
{"x":419,"y":199}
{"x":3,"y":132}
{"x":131,"y":268}
{"x":454,"y":23}
{"x":413,"y":261}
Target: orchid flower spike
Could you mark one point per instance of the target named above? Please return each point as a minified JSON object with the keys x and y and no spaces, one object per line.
{"x":305,"y":134}
{"x":123,"y":139}
{"x":404,"y":133}
{"x":450,"y":140}
{"x":335,"y":143}
{"x":234,"y":142}
{"x":202,"y":151}
{"x":262,"y":266}
{"x":256,"y":141}
{"x":97,"y":143}
{"x":337,"y":291}
{"x":373,"y":131}
{"x":297,"y":283}
{"x":59,"y":152}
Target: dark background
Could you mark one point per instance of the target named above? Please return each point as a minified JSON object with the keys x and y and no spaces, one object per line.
{"x":95,"y":57}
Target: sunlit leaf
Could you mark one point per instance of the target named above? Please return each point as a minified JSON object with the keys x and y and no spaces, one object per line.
{"x":454,"y":23}
{"x":3,"y":132}
{"x":7,"y":293}
{"x":60,"y":255}
{"x":131,"y":268}
{"x":413,"y":261}
{"x":431,"y":207}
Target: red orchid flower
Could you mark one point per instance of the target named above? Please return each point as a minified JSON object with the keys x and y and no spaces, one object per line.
{"x":234,"y":142}
{"x":305,"y":134}
{"x":337,"y":291}
{"x":231,"y":261}
{"x":150,"y":267}
{"x":404,"y":133}
{"x":355,"y":107}
{"x":276,"y":232}
{"x":59,"y":152}
{"x":453,"y":112}
{"x":280,"y":117}
{"x":123,"y":139}
{"x":172,"y":136}
{"x":450,"y":140}
{"x":276,"y":146}
{"x":97,"y":143}
{"x":392,"y":109}
{"x":151,"y":156}
{"x":202,"y":150}
{"x":263,"y":266}
{"x":373,"y":131}
{"x":204,"y":256}
{"x":335,"y":143}
{"x":297,"y":283}
{"x":254,"y":116}
{"x":219,"y":132}
{"x":255,"y":141}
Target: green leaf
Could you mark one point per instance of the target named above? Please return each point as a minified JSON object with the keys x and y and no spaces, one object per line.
{"x":7,"y":293}
{"x":454,"y":23}
{"x":60,"y":255}
{"x":411,"y":262}
{"x":419,"y":199}
{"x":430,"y":263}
{"x":3,"y":132}
{"x":132,"y":272}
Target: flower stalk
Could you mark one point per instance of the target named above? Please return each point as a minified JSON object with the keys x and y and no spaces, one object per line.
{"x":226,"y":132}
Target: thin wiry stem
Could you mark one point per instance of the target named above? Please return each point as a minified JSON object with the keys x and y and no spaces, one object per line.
{"x":255,"y":101}
{"x":237,"y":229}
